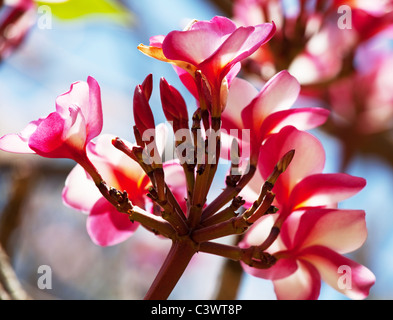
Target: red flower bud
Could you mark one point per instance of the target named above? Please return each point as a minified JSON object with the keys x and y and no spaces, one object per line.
{"x":143,"y":115}
{"x":147,"y":86}
{"x":173,"y":104}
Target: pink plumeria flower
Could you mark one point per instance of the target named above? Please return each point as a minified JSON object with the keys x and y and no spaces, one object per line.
{"x":303,"y":184}
{"x":213,"y":47}
{"x":65,"y":132}
{"x":310,"y":248}
{"x":267,"y":111}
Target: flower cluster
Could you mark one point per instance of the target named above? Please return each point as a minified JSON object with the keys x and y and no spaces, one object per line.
{"x":340,"y":53}
{"x":293,"y":232}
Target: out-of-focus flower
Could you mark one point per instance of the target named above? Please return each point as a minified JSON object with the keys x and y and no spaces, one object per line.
{"x":267,"y":111}
{"x":364,"y":100}
{"x":310,"y":41}
{"x":16,"y":19}
{"x":331,"y":47}
{"x":310,"y":248}
{"x":65,"y":132}
{"x":213,"y":48}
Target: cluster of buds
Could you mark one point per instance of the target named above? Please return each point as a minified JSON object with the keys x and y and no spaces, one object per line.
{"x":275,"y":194}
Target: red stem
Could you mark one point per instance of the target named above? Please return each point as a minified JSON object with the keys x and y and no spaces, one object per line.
{"x":172,"y":269}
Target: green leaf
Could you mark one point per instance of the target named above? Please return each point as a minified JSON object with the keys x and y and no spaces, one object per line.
{"x":75,"y":9}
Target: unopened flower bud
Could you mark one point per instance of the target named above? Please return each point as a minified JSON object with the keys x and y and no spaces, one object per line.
{"x":143,"y":115}
{"x":147,"y":86}
{"x":173,"y":104}
{"x":284,"y":162}
{"x":281,"y":166}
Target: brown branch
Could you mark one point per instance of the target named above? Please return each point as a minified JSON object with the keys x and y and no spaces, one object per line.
{"x":11,"y":216}
{"x":231,"y":276}
{"x":10,"y":287}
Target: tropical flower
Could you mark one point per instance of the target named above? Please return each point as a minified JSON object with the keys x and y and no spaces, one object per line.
{"x":310,"y":248}
{"x":363,"y":101}
{"x":213,"y":48}
{"x":267,"y":111}
{"x":308,"y":233}
{"x":303,"y":184}
{"x":65,"y":132}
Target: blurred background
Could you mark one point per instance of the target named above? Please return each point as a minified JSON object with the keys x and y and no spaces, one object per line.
{"x":341,"y":52}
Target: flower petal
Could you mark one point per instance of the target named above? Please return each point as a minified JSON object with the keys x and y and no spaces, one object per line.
{"x":86,"y":96}
{"x":218,"y":24}
{"x":281,"y":269}
{"x":188,"y":80}
{"x":231,"y":75}
{"x":243,"y":42}
{"x":309,"y":159}
{"x":325,"y":190}
{"x":279,"y":93}
{"x":80,"y":192}
{"x":19,"y":143}
{"x":300,"y":118}
{"x":260,"y":231}
{"x":94,"y":117}
{"x":47,"y":140}
{"x":107,"y":226}
{"x":341,"y":273}
{"x":340,"y":230}
{"x":240,"y":95}
{"x":186,"y":45}
{"x":304,"y":284}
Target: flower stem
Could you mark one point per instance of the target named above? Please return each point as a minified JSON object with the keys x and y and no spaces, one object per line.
{"x":172,"y":269}
{"x":228,"y":194}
